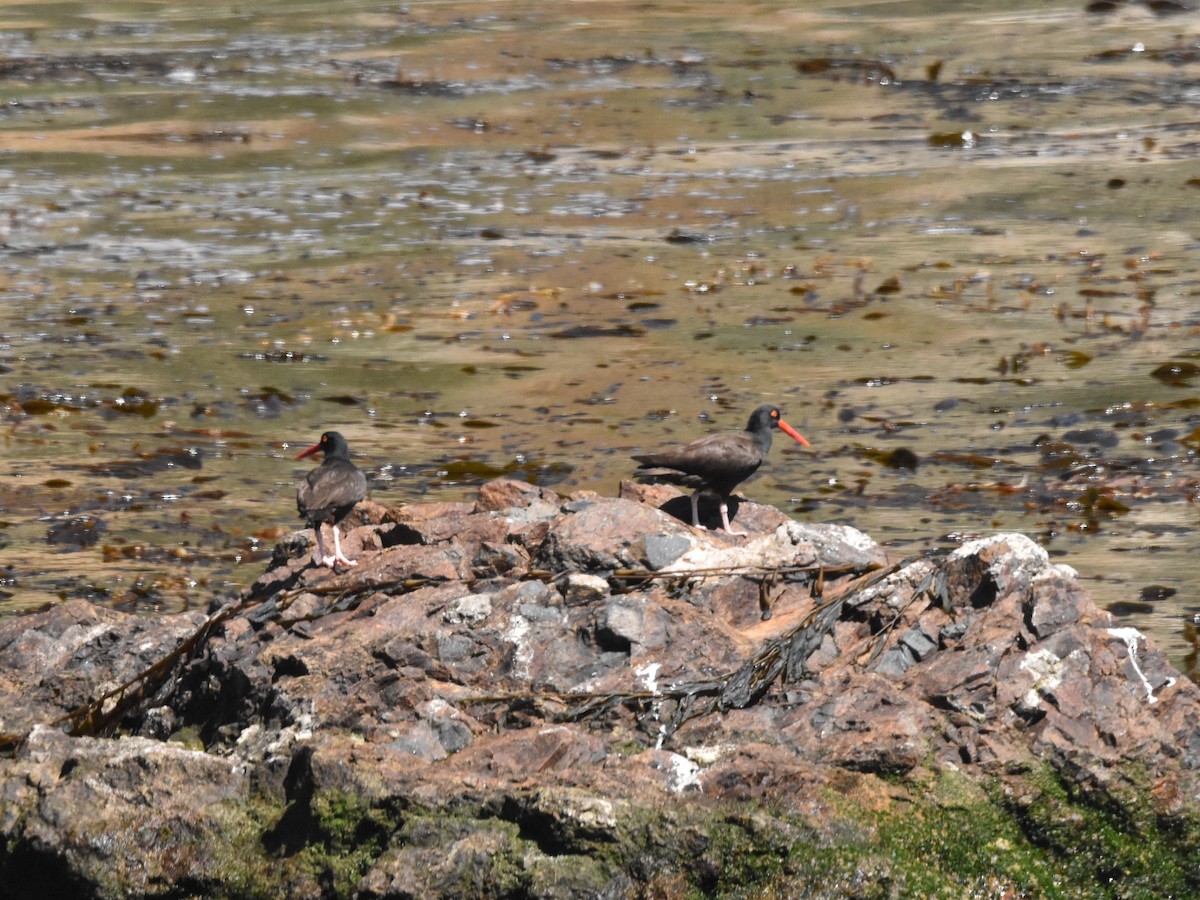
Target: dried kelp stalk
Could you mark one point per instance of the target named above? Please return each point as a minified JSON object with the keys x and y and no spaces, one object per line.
{"x":932,"y":587}
{"x":151,"y":686}
{"x":785,"y":655}
{"x":102,"y":715}
{"x":661,"y":712}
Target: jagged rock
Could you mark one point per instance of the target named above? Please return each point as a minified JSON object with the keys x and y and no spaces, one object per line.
{"x":58,"y":660}
{"x":542,"y":695}
{"x":106,"y":810}
{"x":598,"y":536}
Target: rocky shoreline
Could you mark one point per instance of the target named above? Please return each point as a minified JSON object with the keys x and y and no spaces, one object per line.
{"x":534,"y":695}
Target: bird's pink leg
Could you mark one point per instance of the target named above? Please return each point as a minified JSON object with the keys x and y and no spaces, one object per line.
{"x":725,"y":519}
{"x":338,"y":556}
{"x":696,"y":510}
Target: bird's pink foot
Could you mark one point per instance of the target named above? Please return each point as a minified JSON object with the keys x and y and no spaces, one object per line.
{"x":725,"y":522}
{"x":338,"y":555}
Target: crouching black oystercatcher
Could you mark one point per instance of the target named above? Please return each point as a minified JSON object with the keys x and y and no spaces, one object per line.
{"x":717,"y":463}
{"x":329,"y":492}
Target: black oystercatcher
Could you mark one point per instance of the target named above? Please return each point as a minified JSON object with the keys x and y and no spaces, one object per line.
{"x":329,"y":492}
{"x":717,"y":463}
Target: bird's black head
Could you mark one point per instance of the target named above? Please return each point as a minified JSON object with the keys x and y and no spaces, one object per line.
{"x":767,"y":417}
{"x":332,"y":444}
{"x":764,"y":418}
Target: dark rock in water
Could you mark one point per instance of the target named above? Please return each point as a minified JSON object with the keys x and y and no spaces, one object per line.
{"x":1104,"y":438}
{"x":901,"y":458}
{"x":1129,"y":608}
{"x":545,"y":696}
{"x":1155,"y":592}
{"x":76,"y":531}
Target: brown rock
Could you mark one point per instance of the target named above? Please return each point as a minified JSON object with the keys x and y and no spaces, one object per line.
{"x":596,"y":536}
{"x":507,"y":495}
{"x":505,"y":685}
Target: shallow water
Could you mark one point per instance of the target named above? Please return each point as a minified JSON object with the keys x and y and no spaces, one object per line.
{"x":532,"y":239}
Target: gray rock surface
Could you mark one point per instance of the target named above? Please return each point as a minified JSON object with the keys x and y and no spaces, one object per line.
{"x":546,"y":696}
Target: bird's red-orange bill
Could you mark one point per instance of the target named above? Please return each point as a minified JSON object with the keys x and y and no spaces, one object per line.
{"x":793,"y":433}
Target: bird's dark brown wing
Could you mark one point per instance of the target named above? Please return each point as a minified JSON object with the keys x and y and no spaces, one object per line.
{"x":330,"y":491}
{"x":718,"y":461}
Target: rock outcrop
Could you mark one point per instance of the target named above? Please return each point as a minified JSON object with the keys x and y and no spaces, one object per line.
{"x":533,"y":695}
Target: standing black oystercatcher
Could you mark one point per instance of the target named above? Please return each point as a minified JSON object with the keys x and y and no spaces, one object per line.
{"x":717,"y":463}
{"x":329,"y":492}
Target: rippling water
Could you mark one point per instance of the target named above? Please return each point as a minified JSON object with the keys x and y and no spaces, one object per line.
{"x":532,"y":239}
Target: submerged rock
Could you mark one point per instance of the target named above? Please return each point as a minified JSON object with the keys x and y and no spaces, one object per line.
{"x":544,"y":696}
